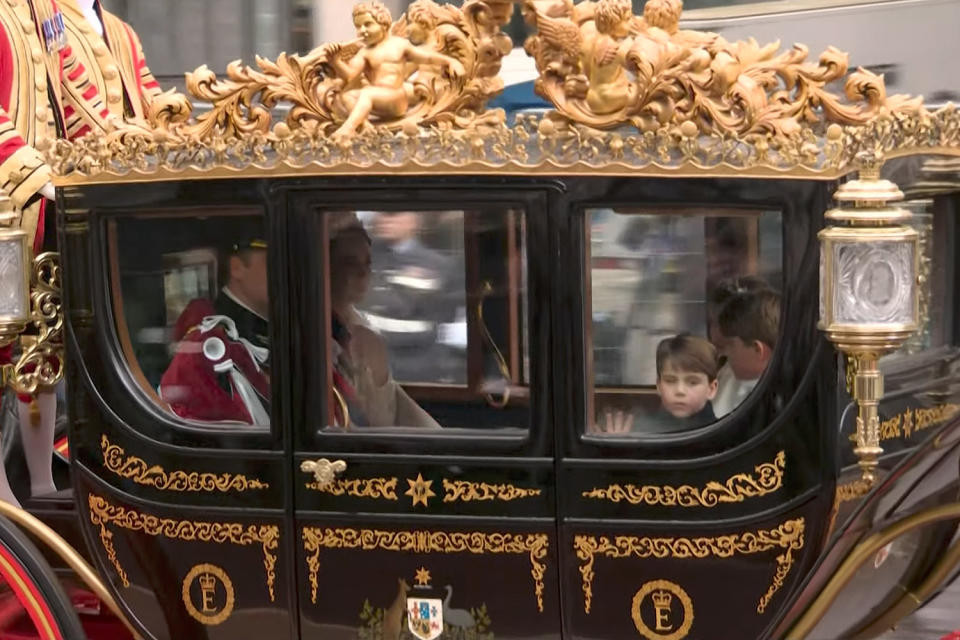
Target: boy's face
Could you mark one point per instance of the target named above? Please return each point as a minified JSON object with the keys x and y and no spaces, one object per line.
{"x":684,"y":393}
{"x":368,"y":29}
{"x":747,"y":360}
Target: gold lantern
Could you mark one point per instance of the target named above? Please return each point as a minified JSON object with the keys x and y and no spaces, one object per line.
{"x":15,"y":260}
{"x":869,"y":298}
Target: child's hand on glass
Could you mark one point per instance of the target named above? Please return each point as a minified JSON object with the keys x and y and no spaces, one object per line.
{"x":613,"y":423}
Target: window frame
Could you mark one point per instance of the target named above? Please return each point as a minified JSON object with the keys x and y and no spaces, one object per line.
{"x":306,"y":204}
{"x":194,"y":433}
{"x":747,"y":211}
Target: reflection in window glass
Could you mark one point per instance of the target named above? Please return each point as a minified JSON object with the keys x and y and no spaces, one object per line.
{"x":930,"y":332}
{"x":685,"y":313}
{"x":427,"y":319}
{"x":416,"y":298}
{"x":193,"y":295}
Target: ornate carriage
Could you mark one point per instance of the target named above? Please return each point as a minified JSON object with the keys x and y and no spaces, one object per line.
{"x":564,"y":244}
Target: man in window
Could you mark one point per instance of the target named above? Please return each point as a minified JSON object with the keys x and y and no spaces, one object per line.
{"x":412,"y":296}
{"x":220,"y":371}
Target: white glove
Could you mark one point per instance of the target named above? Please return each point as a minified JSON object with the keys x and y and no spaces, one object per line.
{"x":48,"y":191}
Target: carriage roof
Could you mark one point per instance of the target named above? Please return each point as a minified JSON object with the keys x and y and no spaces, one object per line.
{"x":693,"y":104}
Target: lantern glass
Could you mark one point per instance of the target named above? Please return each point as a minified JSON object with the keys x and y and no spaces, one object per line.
{"x":14,"y":280}
{"x":875,"y":282}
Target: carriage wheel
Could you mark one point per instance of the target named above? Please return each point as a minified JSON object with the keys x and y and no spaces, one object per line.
{"x":32,"y":603}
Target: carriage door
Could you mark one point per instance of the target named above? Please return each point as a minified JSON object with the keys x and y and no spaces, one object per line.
{"x":422,"y":449}
{"x":692,"y":471}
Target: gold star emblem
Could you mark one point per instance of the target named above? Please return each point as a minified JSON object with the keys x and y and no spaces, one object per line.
{"x":423,"y":577}
{"x":420,"y":490}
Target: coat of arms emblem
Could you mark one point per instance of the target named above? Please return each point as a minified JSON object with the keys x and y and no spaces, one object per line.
{"x":425,"y":617}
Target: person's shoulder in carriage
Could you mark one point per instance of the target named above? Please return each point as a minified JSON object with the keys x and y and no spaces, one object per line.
{"x":220,"y":367}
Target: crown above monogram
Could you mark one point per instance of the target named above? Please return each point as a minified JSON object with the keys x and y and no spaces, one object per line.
{"x":662,"y":599}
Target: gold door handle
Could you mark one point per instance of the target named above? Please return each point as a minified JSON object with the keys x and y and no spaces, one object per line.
{"x":324,"y":471}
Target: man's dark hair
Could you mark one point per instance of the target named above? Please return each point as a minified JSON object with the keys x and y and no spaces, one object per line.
{"x":242,"y":249}
{"x":730,"y":287}
{"x":752,"y":316}
{"x":688,"y":353}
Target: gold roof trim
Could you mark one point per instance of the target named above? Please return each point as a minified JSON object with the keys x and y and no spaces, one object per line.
{"x":631,"y":94}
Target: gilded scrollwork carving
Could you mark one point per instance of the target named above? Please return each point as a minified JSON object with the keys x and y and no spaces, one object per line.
{"x":630,"y":92}
{"x":377,"y":488}
{"x":139,"y":471}
{"x":467,"y":491}
{"x":788,"y":537}
{"x":41,"y":363}
{"x":531,"y":145}
{"x":767,"y":478}
{"x":534,"y":545}
{"x":604,"y":67}
{"x":437,"y":65}
{"x":104,"y":514}
{"x":852,"y":490}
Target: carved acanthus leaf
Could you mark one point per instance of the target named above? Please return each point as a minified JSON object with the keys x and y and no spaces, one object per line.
{"x":449,"y":70}
{"x":603,"y":67}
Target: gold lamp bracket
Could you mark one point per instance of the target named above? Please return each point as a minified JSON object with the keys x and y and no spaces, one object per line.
{"x":869,"y":302}
{"x":41,"y":362}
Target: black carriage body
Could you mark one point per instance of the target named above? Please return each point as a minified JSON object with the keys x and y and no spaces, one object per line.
{"x":569,"y":535}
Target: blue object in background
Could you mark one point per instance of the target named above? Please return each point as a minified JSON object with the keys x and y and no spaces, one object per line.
{"x":518,"y":97}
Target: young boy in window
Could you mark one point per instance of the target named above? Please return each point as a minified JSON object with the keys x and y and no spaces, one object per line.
{"x":686,"y":383}
{"x":748,"y":324}
{"x":730,"y":391}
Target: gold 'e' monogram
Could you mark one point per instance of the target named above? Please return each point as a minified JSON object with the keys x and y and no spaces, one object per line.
{"x":669,"y":623}
{"x":212,"y":602}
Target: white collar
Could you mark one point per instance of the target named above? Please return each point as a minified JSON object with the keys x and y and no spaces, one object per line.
{"x":225,"y":291}
{"x":89,"y":9}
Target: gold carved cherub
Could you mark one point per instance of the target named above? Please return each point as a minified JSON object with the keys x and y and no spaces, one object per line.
{"x":381,"y":67}
{"x":606,"y":43}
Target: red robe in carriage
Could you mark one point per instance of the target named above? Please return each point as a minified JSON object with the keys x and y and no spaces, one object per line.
{"x":220,"y":372}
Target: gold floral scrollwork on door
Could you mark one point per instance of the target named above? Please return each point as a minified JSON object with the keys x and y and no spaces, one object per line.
{"x":766,"y":479}
{"x":466,"y":491}
{"x":138,"y":470}
{"x":788,"y":537}
{"x":377,"y":488}
{"x":535,"y":545}
{"x":104,"y":514}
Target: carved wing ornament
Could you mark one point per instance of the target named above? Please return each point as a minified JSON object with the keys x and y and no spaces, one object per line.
{"x":605,"y":68}
{"x":628,"y":92}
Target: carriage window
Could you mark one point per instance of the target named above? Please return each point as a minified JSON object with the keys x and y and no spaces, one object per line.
{"x":190,"y":291}
{"x":936,"y":296}
{"x":685,"y":308}
{"x":427,"y":325}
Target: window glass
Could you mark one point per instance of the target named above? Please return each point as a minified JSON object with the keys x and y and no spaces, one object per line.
{"x":684,"y":314}
{"x":417,"y":298}
{"x":427,"y":325}
{"x":191,"y":296}
{"x":936,"y":299}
